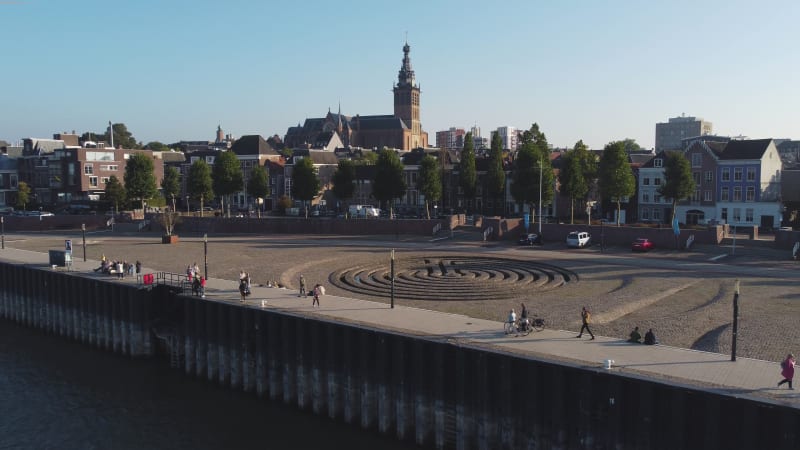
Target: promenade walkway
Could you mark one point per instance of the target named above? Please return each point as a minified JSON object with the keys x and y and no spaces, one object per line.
{"x":745,"y":377}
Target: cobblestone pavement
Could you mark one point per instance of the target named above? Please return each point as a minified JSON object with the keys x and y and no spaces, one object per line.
{"x":686,"y":297}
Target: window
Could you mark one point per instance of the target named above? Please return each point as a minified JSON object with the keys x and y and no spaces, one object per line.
{"x":656,"y":214}
{"x":645,"y":197}
{"x":696,"y":195}
{"x":737,"y":214}
{"x":696,"y":176}
{"x":658,"y":162}
{"x":104,"y":180}
{"x":737,"y":193}
{"x":706,"y":196}
{"x":697,"y":159}
{"x":737,"y":174}
{"x":88,"y":169}
{"x":748,"y":215}
{"x":110,"y":168}
{"x":751,"y":174}
{"x":656,"y":198}
{"x":725,"y":214}
{"x":646,"y":181}
{"x":751,"y":194}
{"x":726,"y":174}
{"x":93,"y":181}
{"x":13,"y":181}
{"x":645,"y":213}
{"x":657,"y":181}
{"x":709,"y":176}
{"x":724,"y":195}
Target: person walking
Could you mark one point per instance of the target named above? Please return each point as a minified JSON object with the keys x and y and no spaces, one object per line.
{"x":120,"y":271}
{"x":585,"y":318}
{"x":242,"y":289}
{"x":302,"y":286}
{"x":316,"y":296}
{"x":138,"y":270}
{"x":202,"y":286}
{"x":787,"y":371}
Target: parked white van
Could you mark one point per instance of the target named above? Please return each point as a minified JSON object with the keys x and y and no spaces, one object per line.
{"x":364,"y":211}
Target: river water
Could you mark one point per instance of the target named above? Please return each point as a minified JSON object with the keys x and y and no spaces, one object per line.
{"x":62,"y":395}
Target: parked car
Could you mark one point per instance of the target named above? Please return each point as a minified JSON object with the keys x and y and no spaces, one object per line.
{"x":642,"y":245}
{"x":578,"y":239}
{"x":529,"y":239}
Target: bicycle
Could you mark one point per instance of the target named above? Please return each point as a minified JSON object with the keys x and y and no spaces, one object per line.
{"x":525,"y":326}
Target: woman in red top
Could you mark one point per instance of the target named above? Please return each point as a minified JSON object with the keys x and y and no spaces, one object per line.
{"x":788,"y":370}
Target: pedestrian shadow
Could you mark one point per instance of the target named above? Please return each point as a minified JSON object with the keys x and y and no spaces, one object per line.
{"x":671,"y":363}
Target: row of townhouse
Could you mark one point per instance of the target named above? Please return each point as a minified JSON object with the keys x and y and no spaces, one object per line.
{"x":738,"y":183}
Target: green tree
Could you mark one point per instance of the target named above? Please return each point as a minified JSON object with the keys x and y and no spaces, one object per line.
{"x":258,"y":185}
{"x":344,"y":181}
{"x":389,"y":182}
{"x":284,"y":203}
{"x":429,"y":183}
{"x":228,"y":178}
{"x":533,"y":169}
{"x":156,"y":146}
{"x":23,"y":195}
{"x":631,"y":145}
{"x":616,"y":176}
{"x":171,"y":184}
{"x":496,"y":174}
{"x":122,"y":137}
{"x":573,"y":176}
{"x":467,"y":175}
{"x":305,"y":182}
{"x":115,"y":192}
{"x":140,"y":180}
{"x":678,"y":180}
{"x":198,"y":182}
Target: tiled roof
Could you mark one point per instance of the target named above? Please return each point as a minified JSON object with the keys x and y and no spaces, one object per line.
{"x":380,"y":123}
{"x":323,"y":158}
{"x":252,"y":144}
{"x":749,"y":149}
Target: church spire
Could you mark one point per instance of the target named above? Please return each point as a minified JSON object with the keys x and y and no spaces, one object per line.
{"x":406,"y":75}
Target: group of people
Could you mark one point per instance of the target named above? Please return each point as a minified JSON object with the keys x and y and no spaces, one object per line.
{"x":244,"y":285}
{"x":649,"y":337}
{"x":524,"y":324}
{"x":316,"y":292}
{"x":119,"y":268}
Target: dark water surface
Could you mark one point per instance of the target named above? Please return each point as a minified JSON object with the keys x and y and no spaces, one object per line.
{"x":59,"y":394}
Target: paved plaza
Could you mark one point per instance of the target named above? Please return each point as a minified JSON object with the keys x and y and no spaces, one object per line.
{"x":685,"y":297}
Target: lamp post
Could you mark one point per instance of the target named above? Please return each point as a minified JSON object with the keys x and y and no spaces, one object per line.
{"x":187,"y":205}
{"x":735,"y":319}
{"x":205,"y":253}
{"x":392,"y":276}
{"x":3,"y":231}
{"x":541,"y":168}
{"x":83,"y":231}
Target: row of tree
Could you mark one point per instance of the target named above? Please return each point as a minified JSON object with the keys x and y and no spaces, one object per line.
{"x":532,"y":177}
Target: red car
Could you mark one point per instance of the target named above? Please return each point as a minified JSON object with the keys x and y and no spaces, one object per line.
{"x":642,"y":245}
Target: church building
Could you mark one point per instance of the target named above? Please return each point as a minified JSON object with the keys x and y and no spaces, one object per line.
{"x":401,"y":130}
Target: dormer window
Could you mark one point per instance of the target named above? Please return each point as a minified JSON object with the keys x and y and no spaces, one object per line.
{"x":658,"y":162}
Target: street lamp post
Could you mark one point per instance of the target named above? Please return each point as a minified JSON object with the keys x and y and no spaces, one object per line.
{"x":205,"y":253}
{"x":187,"y":205}
{"x":735,"y":319}
{"x":3,"y":231}
{"x":392,"y":276}
{"x":541,"y":168}
{"x":83,"y":231}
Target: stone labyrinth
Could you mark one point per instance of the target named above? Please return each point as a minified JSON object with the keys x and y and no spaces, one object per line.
{"x":453,"y":278}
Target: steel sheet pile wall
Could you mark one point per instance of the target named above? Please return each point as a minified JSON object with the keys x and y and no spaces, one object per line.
{"x":429,"y":391}
{"x":442,"y":395}
{"x":112,"y":316}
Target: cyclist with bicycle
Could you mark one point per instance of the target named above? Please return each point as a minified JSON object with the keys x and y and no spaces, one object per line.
{"x":523,"y":319}
{"x":511,"y":321}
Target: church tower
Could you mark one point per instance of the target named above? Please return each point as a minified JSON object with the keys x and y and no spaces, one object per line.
{"x":406,"y":100}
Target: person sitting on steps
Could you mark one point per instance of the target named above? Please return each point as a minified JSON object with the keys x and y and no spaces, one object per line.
{"x":635,"y":338}
{"x":650,"y":338}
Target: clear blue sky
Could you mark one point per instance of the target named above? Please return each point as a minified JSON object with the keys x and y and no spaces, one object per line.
{"x":597,"y":71}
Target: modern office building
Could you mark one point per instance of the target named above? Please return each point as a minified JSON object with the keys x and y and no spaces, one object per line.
{"x":670,"y":134}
